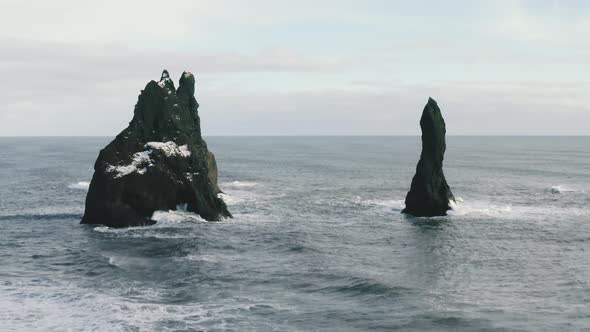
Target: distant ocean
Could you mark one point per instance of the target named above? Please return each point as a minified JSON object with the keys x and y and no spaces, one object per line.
{"x":318,"y":242}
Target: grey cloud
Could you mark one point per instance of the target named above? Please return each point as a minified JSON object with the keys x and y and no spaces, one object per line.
{"x":478,"y":109}
{"x":324,"y":112}
{"x":89,"y":83}
{"x":61,"y":89}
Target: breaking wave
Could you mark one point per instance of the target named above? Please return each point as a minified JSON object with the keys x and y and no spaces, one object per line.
{"x":83,"y":185}
{"x":165,"y":218}
{"x":230,"y":199}
{"x":238,"y":184}
{"x":393,"y":204}
{"x":559,"y":189}
{"x":462,"y":208}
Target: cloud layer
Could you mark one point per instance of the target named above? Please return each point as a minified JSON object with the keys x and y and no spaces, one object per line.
{"x":267,"y":68}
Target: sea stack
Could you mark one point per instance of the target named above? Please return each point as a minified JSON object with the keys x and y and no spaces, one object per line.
{"x":430,"y":194}
{"x":159,"y":162}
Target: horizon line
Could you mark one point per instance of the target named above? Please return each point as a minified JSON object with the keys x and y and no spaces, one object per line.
{"x":318,"y":135}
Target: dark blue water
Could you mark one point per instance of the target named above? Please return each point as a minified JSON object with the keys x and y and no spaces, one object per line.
{"x":317,"y":243}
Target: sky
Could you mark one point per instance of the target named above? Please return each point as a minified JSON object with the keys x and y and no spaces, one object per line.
{"x":322,"y":67}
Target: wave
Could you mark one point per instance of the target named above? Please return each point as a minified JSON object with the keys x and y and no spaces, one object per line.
{"x":112,"y":261}
{"x":238,"y":192}
{"x":559,"y":189}
{"x":80,"y":185}
{"x":200,"y":258}
{"x":537,"y":213}
{"x":361,"y":287}
{"x":462,"y":208}
{"x":49,"y":308}
{"x":238,"y":184}
{"x":394,"y":204}
{"x":166,"y":218}
{"x":49,"y":216}
{"x":230,"y":200}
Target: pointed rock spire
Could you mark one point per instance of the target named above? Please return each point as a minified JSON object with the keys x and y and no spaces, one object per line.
{"x":430,"y":194}
{"x":186,"y":84}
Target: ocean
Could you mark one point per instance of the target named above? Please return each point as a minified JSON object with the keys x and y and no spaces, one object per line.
{"x":317,"y":242}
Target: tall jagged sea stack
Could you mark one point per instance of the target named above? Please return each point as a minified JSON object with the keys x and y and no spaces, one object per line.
{"x":430,"y":194}
{"x":159,"y":162}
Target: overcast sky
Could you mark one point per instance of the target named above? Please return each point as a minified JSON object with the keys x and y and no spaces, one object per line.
{"x":320,"y":67}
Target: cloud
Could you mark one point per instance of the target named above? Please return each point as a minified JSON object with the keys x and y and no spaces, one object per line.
{"x":39,"y":72}
{"x":153,"y":21}
{"x":548,"y":24}
{"x":470,"y":108}
{"x":329,"y":67}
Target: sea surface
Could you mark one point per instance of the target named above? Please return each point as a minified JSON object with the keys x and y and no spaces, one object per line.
{"x":317,"y":242}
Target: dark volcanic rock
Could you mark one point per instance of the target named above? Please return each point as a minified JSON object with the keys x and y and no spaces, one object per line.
{"x":212,"y":165}
{"x":430,"y":194}
{"x":160,"y":161}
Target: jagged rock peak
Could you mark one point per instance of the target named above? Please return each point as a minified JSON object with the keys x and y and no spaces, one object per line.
{"x":166,"y":82}
{"x":159,"y":162}
{"x":186,"y":84}
{"x":430,"y":194}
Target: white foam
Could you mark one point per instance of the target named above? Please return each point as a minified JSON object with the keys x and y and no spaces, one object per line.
{"x":230,"y":200}
{"x":102,"y":229}
{"x":237,"y":192}
{"x":112,"y":261}
{"x":460,"y":208}
{"x":387,"y":203}
{"x":80,"y":185}
{"x":559,"y":189}
{"x":453,"y":204}
{"x":164,"y":219}
{"x":200,"y":258}
{"x":175,"y":217}
{"x":239,"y":184}
{"x":66,"y":306}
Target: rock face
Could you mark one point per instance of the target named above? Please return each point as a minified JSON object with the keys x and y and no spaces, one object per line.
{"x":212,"y":165}
{"x":159,"y":162}
{"x":430,"y":194}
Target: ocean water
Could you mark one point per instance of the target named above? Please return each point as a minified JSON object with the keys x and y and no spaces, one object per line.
{"x":318,"y":242}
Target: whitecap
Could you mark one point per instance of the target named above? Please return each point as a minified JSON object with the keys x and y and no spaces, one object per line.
{"x":102,"y":229}
{"x":164,"y":219}
{"x":239,"y":184}
{"x":559,"y":189}
{"x":453,"y":204}
{"x":83,"y":185}
{"x":112,"y":261}
{"x":487,"y":209}
{"x":175,"y":217}
{"x":230,"y":200}
{"x":200,"y":258}
{"x":395,"y":204}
